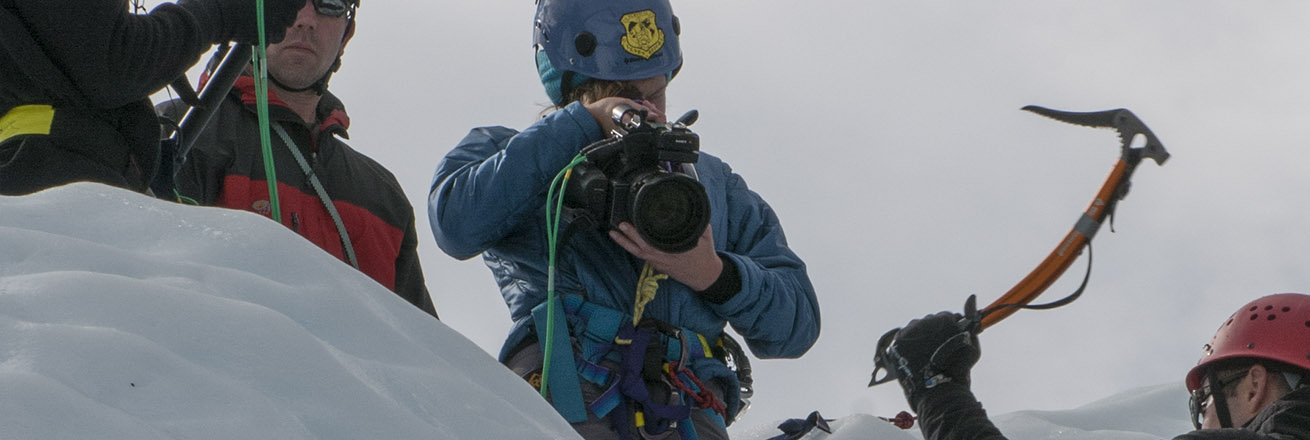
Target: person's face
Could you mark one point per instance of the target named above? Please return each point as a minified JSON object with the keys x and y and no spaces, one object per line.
{"x":1231,"y":389}
{"x":311,"y":45}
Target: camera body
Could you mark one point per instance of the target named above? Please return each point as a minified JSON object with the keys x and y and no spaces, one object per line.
{"x":644,"y":175}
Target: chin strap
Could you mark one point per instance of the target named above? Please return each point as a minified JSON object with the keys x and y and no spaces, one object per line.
{"x":1220,"y":402}
{"x":318,"y":87}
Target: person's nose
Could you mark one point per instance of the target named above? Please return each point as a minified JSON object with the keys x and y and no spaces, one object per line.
{"x":308,"y":16}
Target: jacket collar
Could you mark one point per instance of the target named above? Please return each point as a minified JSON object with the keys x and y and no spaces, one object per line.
{"x":331,"y":112}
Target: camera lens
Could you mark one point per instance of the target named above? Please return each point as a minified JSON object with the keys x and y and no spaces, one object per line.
{"x":670,"y":211}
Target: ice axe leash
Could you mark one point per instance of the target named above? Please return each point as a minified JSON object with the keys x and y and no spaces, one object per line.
{"x":1115,"y":188}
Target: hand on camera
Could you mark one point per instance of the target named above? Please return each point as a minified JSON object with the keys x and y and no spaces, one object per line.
{"x":602,"y":112}
{"x":697,"y":268}
{"x":936,"y":349}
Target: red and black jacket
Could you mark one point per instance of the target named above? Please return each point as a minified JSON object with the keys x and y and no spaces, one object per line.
{"x":225,"y":167}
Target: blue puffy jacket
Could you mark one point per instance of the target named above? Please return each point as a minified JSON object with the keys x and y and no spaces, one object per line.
{"x":488,"y":197}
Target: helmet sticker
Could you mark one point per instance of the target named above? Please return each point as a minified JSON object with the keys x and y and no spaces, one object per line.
{"x":643,"y":37}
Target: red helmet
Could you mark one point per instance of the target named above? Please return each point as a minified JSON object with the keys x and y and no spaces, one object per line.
{"x":1275,"y":327}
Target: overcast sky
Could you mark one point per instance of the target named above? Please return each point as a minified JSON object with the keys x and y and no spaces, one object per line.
{"x":887,"y":136}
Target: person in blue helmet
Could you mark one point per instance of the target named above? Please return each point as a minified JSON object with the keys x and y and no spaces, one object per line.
{"x":620,"y":366}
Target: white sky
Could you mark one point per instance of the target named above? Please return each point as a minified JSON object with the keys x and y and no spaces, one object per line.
{"x":887,"y":137}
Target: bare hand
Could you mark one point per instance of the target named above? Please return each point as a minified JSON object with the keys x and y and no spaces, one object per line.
{"x":698,"y":268}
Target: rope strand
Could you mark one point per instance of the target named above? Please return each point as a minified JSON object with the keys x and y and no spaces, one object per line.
{"x":260,"y":61}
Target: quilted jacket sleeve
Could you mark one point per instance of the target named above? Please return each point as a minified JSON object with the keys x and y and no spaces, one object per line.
{"x":494,"y":179}
{"x":776,"y":310}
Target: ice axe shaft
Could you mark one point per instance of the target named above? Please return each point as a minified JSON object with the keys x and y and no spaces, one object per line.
{"x":1115,"y":188}
{"x":1129,"y":129}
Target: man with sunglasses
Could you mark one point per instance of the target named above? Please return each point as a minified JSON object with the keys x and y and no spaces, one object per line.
{"x":76,"y":75}
{"x":334,"y":196}
{"x":1252,"y":382}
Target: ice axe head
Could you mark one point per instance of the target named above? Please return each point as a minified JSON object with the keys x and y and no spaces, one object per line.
{"x":1122,"y":121}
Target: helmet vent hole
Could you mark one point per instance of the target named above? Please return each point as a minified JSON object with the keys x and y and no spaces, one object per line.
{"x":1269,"y":307}
{"x":1253,"y":308}
{"x":1250,"y":345}
{"x":1272,"y":317}
{"x":1254,"y":316}
{"x":1287,"y":309}
{"x":585,"y":43}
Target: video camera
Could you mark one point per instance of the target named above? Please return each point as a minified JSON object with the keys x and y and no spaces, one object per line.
{"x":645,"y":175}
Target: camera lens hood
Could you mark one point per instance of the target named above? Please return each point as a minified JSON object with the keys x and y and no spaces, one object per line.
{"x":670,"y":211}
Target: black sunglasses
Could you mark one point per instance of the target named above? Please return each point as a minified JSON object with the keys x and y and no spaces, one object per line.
{"x":1196,"y":402}
{"x":333,"y":8}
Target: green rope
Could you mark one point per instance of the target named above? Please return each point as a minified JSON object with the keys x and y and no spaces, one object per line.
{"x":260,"y":62}
{"x":184,"y":199}
{"x":552,"y":237}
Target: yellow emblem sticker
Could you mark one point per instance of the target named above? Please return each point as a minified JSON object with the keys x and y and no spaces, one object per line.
{"x":644,"y":38}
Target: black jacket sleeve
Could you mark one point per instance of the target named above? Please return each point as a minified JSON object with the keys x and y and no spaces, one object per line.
{"x":115,"y":57}
{"x":950,"y":412}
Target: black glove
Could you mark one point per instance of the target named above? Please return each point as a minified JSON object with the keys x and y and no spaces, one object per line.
{"x":234,"y":20}
{"x":937,"y":349}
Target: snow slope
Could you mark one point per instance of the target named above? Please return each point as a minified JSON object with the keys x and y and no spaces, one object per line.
{"x":125,"y":317}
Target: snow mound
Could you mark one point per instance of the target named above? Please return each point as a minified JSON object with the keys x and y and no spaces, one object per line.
{"x":126,"y":317}
{"x":1146,"y":413}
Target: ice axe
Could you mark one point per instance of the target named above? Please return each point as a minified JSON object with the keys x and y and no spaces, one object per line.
{"x":1129,"y":128}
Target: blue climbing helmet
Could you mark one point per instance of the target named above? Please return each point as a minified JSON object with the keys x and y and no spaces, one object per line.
{"x":615,"y":40}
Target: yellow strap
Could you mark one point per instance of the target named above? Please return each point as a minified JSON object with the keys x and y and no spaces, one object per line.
{"x":706,"y":345}
{"x":647,"y":285}
{"x":26,"y":119}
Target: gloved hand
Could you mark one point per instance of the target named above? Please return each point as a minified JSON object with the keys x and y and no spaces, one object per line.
{"x":936,"y":349}
{"x":234,"y":20}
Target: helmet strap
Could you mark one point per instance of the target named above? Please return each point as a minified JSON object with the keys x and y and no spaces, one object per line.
{"x":318,"y":86}
{"x":1220,"y":399}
